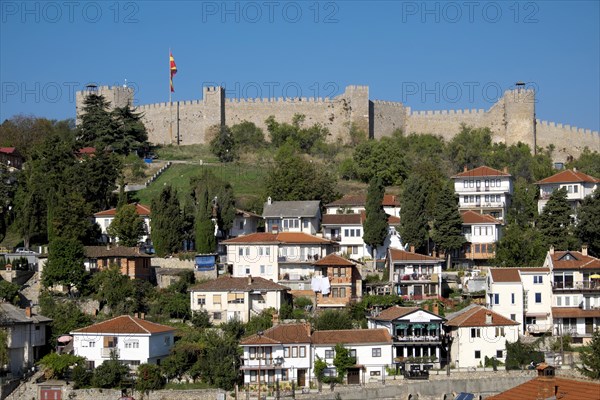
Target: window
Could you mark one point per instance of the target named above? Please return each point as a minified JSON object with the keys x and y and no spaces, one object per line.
{"x":499,"y":353}
{"x":240,"y":251}
{"x":567,"y":301}
{"x":302,"y":351}
{"x":305,"y":224}
{"x":499,"y":331}
{"x":346,"y":232}
{"x":338,"y":292}
{"x":285,"y":374}
{"x":512,"y":298}
{"x":487,"y":182}
{"x":538,"y":298}
{"x":247,"y":270}
{"x":201,"y":299}
{"x":217,"y":315}
{"x":477,"y":353}
{"x":471,"y":184}
{"x":295,"y":352}
{"x":262,"y":269}
{"x":217,"y":299}
{"x":478,"y":183}
{"x":252,"y":352}
{"x":376,"y":352}
{"x":496,"y":298}
{"x":498,"y":198}
{"x":235,"y":298}
{"x":537,"y":278}
{"x":575,"y":188}
{"x":530,"y":320}
{"x":475,"y":332}
{"x":252,"y":376}
{"x":134,"y":344}
{"x":487,"y":198}
{"x":352,"y":353}
{"x":498,"y":182}
{"x":286,"y":352}
{"x":167,"y":341}
{"x":465,"y":183}
{"x":513,"y":317}
{"x":466,"y":200}
{"x":329,"y":353}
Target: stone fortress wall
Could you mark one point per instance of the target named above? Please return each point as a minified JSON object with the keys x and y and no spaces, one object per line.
{"x":511,"y":119}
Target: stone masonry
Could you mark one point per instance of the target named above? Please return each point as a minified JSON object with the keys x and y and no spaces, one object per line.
{"x":511,"y":119}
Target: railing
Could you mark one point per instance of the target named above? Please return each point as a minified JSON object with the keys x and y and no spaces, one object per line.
{"x":305,"y":258}
{"x":413,"y":278}
{"x":106,"y":352}
{"x":425,"y":338}
{"x":591,"y":285}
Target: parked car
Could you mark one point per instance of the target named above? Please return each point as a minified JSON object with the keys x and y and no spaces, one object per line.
{"x":24,"y":250}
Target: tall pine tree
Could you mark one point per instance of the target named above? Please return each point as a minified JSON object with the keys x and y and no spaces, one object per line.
{"x":376,"y":225}
{"x":205,"y":228}
{"x":588,"y":222}
{"x":167,"y":235}
{"x":555,"y":223}
{"x":414,"y":227}
{"x":447,"y":223}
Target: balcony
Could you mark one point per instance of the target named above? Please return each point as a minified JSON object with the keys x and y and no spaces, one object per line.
{"x":408,"y":278}
{"x":298,"y":259}
{"x":418,"y":339}
{"x":105,"y":352}
{"x":591,"y":286}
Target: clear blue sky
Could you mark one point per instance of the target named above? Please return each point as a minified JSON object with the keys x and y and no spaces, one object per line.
{"x":430,"y":55}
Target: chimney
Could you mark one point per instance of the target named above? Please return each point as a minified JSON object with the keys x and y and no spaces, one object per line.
{"x":136,"y":315}
{"x":505,"y":170}
{"x":584,"y":249}
{"x":142,"y":315}
{"x":465,"y":169}
{"x":488,"y":318}
{"x":249,"y":279}
{"x":434,"y":254}
{"x":275,"y":319}
{"x":436,"y":309}
{"x":269,"y":201}
{"x":107,"y":245}
{"x":412,"y":249}
{"x":552,"y":250}
{"x":28,"y":312}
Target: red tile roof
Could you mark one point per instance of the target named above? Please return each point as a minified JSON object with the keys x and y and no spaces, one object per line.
{"x":282,"y":237}
{"x":500,"y":275}
{"x":566,"y":389}
{"x":569,"y":176}
{"x":401,"y":255}
{"x":574,"y":312}
{"x":246,"y":214}
{"x":86,"y":150}
{"x":389,"y":200}
{"x":476,"y":316}
{"x":481,"y":171}
{"x":577,"y":260}
{"x":352,"y":336}
{"x":281,"y":334}
{"x":335,"y":260}
{"x":239,"y":284}
{"x":395,"y":312}
{"x":472,"y":217}
{"x":7,"y":150}
{"x":114,"y":251}
{"x":140,"y":210}
{"x":342,"y":219}
{"x":125,"y":324}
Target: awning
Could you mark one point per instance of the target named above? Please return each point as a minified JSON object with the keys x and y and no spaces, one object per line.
{"x":595,"y":276}
{"x":417,"y":326}
{"x":401,"y":326}
{"x":432,"y":327}
{"x":532,"y":314}
{"x":64,"y":339}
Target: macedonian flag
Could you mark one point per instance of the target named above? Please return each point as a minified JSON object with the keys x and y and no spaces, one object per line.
{"x":173,"y":69}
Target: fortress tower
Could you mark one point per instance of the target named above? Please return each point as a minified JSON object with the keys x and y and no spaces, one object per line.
{"x":117,"y":96}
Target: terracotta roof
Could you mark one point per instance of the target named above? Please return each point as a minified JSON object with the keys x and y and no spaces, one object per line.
{"x":139,"y":209}
{"x":239,"y":284}
{"x":7,"y":150}
{"x":577,"y":260}
{"x":534,"y":269}
{"x":569,"y":176}
{"x":566,"y":389}
{"x":114,"y":251}
{"x":352,"y":336}
{"x":302,"y":293}
{"x":334,"y":259}
{"x":574,"y":312}
{"x":475,"y":316}
{"x":283,"y":333}
{"x":125,"y":324}
{"x":86,"y":150}
{"x":389,"y":200}
{"x":282,"y":237}
{"x":505,"y":275}
{"x":393,"y":220}
{"x":342,"y":219}
{"x":401,"y":255}
{"x":472,"y":217}
{"x":395,"y":312}
{"x":246,"y":214}
{"x":481,"y":171}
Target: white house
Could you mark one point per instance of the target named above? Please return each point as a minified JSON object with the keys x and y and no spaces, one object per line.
{"x":355,"y":204}
{"x":240,"y":298}
{"x":282,"y":353}
{"x":482,"y":232}
{"x":578,"y":185}
{"x":413,"y":275}
{"x":26,"y":334}
{"x":106,"y":217}
{"x":477,"y":333}
{"x":244,"y":223}
{"x":284,"y":257}
{"x":372,"y":349}
{"x":133,"y":340}
{"x":292,"y":216}
{"x":523,"y":295}
{"x":416,"y":333}
{"x":576,"y":293}
{"x":485,"y":190}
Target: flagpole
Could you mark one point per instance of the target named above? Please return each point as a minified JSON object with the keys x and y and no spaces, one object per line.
{"x":170,"y":102}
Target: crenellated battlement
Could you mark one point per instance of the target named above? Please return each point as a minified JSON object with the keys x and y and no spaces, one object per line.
{"x":565,"y":127}
{"x":423,"y":113}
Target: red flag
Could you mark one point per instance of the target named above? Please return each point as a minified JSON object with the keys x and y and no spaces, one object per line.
{"x":173,"y":68}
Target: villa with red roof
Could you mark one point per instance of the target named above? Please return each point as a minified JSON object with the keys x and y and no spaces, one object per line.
{"x":415,"y":276}
{"x":482,"y":232}
{"x":576,"y":292}
{"x":284,"y":257}
{"x":344,"y":281}
{"x":354,"y":204}
{"x":578,"y":185}
{"x":134,"y":340}
{"x":485,"y":190}
{"x":477,"y":333}
{"x":105,"y":218}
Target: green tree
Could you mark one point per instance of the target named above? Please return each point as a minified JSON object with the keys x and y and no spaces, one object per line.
{"x":523,"y":206}
{"x":56,"y":365}
{"x":222,"y":144}
{"x":376,"y":223}
{"x":65,"y":264}
{"x":414,"y":224}
{"x":520,"y":247}
{"x":588,"y":163}
{"x":8,"y":187}
{"x":113,"y":289}
{"x":519,"y":354}
{"x":149,"y":378}
{"x":555,"y":223}
{"x":9,"y":292}
{"x":97,"y":126}
{"x":320,"y":367}
{"x":205,"y":228}
{"x":182,"y":358}
{"x":69,"y":217}
{"x":260,"y":322}
{"x":588,"y":222}
{"x":201,"y":319}
{"x":110,"y":373}
{"x":131,"y":132}
{"x":295,"y":135}
{"x":342,"y":361}
{"x":470,"y":147}
{"x":382,"y":158}
{"x":590,"y":357}
{"x":167,"y":220}
{"x":66,"y":315}
{"x":4,"y":354}
{"x":447,"y":223}
{"x":218,"y":188}
{"x":25,"y":132}
{"x":332,"y":320}
{"x":294,"y":178}
{"x":127,"y":226}
{"x":220,"y":359}
{"x":246,"y":135}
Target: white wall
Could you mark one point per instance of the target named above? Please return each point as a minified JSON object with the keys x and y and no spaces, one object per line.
{"x":488,"y":343}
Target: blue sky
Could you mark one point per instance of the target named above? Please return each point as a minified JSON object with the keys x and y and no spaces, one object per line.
{"x":429,"y":55}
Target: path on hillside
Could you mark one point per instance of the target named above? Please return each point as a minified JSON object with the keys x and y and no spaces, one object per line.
{"x":31,"y":292}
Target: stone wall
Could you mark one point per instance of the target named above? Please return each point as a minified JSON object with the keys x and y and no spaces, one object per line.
{"x":176,"y":263}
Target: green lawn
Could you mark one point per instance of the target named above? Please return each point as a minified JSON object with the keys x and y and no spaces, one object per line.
{"x":247,"y":180}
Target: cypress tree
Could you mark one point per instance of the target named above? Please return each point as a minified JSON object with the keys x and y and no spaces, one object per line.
{"x":167,"y":224}
{"x":414,"y":228}
{"x":447,"y":222}
{"x":376,"y":225}
{"x":205,"y":229}
{"x":555,"y":224}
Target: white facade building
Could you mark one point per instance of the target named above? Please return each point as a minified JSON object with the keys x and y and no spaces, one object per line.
{"x":478,"y":333}
{"x":133,"y":340}
{"x":355,"y":204}
{"x":292,"y":216}
{"x":416,"y":276}
{"x":105,"y":218}
{"x":485,"y":190}
{"x":244,"y":223}
{"x":482,"y":232}
{"x":578,"y":185}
